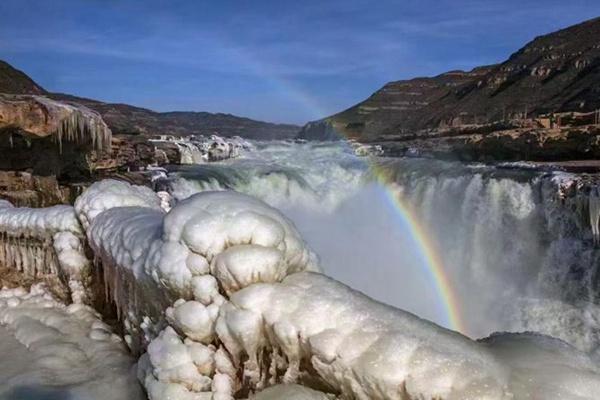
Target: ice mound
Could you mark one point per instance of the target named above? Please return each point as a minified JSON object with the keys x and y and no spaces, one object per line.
{"x":359,"y":347}
{"x":170,"y":273}
{"x":232,"y":232}
{"x":236,"y":238}
{"x":367,"y":350}
{"x":187,"y":261}
{"x":55,"y":351}
{"x":37,"y":222}
{"x":111,"y":193}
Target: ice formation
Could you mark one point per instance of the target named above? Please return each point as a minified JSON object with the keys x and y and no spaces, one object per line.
{"x":55,"y":351}
{"x":41,"y":116}
{"x":311,"y":327}
{"x":45,"y":242}
{"x":111,"y":193}
{"x":198,"y":150}
{"x":168,"y":274}
{"x":222,"y":298}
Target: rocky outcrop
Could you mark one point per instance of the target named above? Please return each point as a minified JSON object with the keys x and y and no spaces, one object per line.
{"x":49,"y":137}
{"x":554,"y":81}
{"x":531,"y":144}
{"x":41,"y":117}
{"x":23,"y":189}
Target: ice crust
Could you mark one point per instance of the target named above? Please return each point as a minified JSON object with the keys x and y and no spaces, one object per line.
{"x":51,"y":350}
{"x":111,"y":193}
{"x":170,"y":273}
{"x":44,"y":241}
{"x":367,"y":350}
{"x":38,"y":222}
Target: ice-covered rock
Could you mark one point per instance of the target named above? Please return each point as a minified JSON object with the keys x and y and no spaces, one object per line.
{"x":361,"y":348}
{"x":366,"y":350}
{"x":175,"y":268}
{"x":219,"y":149}
{"x":200,"y":149}
{"x":39,"y":116}
{"x":111,"y":193}
{"x":365,"y":150}
{"x":45,"y":241}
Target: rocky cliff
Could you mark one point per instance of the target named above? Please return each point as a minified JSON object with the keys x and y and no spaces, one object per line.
{"x":555,"y":74}
{"x":49,"y":137}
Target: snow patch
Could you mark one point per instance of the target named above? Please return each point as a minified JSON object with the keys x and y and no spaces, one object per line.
{"x":51,"y":350}
{"x":111,"y":193}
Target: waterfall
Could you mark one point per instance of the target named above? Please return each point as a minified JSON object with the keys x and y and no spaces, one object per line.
{"x":225,"y":297}
{"x":522,"y":251}
{"x":520,"y":244}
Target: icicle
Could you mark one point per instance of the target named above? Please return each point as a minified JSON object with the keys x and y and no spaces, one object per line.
{"x":594,"y":208}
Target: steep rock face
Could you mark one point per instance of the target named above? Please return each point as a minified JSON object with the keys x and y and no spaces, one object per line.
{"x":41,"y":117}
{"x":25,"y":190}
{"x":559,"y":72}
{"x":49,"y":137}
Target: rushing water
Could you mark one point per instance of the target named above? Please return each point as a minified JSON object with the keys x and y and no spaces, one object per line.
{"x":518,"y":257}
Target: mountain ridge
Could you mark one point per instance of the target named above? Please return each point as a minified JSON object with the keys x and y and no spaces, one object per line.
{"x":557,"y":72}
{"x":125,"y":119}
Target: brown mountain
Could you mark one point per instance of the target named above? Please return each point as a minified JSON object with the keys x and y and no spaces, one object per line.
{"x":124,"y":119}
{"x":131,"y":120}
{"x":17,"y":82}
{"x":559,"y":72}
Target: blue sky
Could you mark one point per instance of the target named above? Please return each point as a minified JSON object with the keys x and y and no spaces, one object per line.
{"x":283,"y":61}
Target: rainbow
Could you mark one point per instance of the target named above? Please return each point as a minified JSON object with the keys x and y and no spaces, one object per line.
{"x":435,"y":267}
{"x":433,"y":264}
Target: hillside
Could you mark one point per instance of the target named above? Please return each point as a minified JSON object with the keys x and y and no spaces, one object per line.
{"x":124,"y":119}
{"x":559,"y":72}
{"x":14,"y":81}
{"x":131,"y":120}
